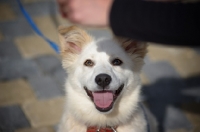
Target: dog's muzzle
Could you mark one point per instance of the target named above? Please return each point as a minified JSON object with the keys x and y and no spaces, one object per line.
{"x":105,"y":98}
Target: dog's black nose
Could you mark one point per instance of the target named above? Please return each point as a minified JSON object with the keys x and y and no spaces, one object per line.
{"x":103,"y":80}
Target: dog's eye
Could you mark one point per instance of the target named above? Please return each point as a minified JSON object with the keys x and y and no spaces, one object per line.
{"x":116,"y":62}
{"x":89,"y":63}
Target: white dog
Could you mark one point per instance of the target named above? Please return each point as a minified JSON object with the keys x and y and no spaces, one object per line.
{"x":103,"y":84}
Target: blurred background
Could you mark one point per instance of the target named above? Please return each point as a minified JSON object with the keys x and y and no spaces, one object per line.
{"x":32,"y":78}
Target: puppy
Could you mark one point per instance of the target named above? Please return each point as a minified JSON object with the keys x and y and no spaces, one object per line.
{"x":103,"y":84}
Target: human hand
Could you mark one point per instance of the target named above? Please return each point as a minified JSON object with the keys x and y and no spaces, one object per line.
{"x":86,"y":12}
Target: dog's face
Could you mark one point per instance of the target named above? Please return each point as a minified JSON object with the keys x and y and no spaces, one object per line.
{"x":102,"y":69}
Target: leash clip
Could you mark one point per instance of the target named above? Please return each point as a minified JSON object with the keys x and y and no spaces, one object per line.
{"x":98,"y":130}
{"x":113,"y":129}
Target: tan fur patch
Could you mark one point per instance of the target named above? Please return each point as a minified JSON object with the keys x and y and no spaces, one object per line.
{"x":73,"y":35}
{"x":133,"y":46}
{"x":73,"y":40}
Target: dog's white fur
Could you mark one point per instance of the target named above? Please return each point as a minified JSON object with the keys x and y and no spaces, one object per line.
{"x":76,"y":47}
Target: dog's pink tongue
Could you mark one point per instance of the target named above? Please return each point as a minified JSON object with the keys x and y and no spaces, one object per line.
{"x":103,"y":99}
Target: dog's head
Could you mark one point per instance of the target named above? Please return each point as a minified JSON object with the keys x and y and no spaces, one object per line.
{"x":101,"y":68}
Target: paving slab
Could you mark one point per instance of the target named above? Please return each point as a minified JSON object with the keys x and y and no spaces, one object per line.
{"x":45,"y":87}
{"x":15,"y":92}
{"x":56,"y":127}
{"x":144,"y":79}
{"x":185,"y":60}
{"x":6,"y":12}
{"x":157,"y":70}
{"x":1,"y":36}
{"x":33,"y":46}
{"x":196,"y":129}
{"x":8,"y":50}
{"x":17,"y":68}
{"x":100,"y":33}
{"x":175,"y":119}
{"x":59,"y":20}
{"x":11,"y":118}
{"x":48,"y":63}
{"x":18,"y":27}
{"x":42,"y":129}
{"x":197,"y":50}
{"x":47,"y":27}
{"x":191,"y":111}
{"x":40,"y":7}
{"x":33,"y":7}
{"x":178,"y":130}
{"x":192,"y":92}
{"x":52,"y":67}
{"x":188,"y":66}
{"x":60,"y":75}
{"x":192,"y":88}
{"x":14,"y":5}
{"x":33,"y":1}
{"x":45,"y":112}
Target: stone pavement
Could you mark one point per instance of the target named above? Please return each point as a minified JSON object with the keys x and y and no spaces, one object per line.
{"x":31,"y":76}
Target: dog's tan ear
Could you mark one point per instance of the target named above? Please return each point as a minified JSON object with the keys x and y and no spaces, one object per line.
{"x":72,"y":39}
{"x":137,"y":51}
{"x":133,"y":47}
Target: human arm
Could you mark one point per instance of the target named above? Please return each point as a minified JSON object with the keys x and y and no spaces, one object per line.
{"x":161,"y":22}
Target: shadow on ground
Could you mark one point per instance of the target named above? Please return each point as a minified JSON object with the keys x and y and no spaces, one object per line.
{"x":169,"y":95}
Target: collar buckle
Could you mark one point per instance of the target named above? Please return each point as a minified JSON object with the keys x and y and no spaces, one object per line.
{"x":112,"y":128}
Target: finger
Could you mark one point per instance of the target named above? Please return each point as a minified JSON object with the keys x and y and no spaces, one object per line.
{"x":63,"y":14}
{"x":63,"y":8}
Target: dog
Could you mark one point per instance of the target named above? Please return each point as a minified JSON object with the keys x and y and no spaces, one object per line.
{"x":103,"y":83}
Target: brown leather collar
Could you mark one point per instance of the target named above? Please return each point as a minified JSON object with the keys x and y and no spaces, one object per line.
{"x":96,"y":129}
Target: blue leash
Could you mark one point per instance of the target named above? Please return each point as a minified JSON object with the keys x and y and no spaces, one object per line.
{"x":35,"y":28}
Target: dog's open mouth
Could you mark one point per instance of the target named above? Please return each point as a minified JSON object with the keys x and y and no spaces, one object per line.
{"x":105,"y":99}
